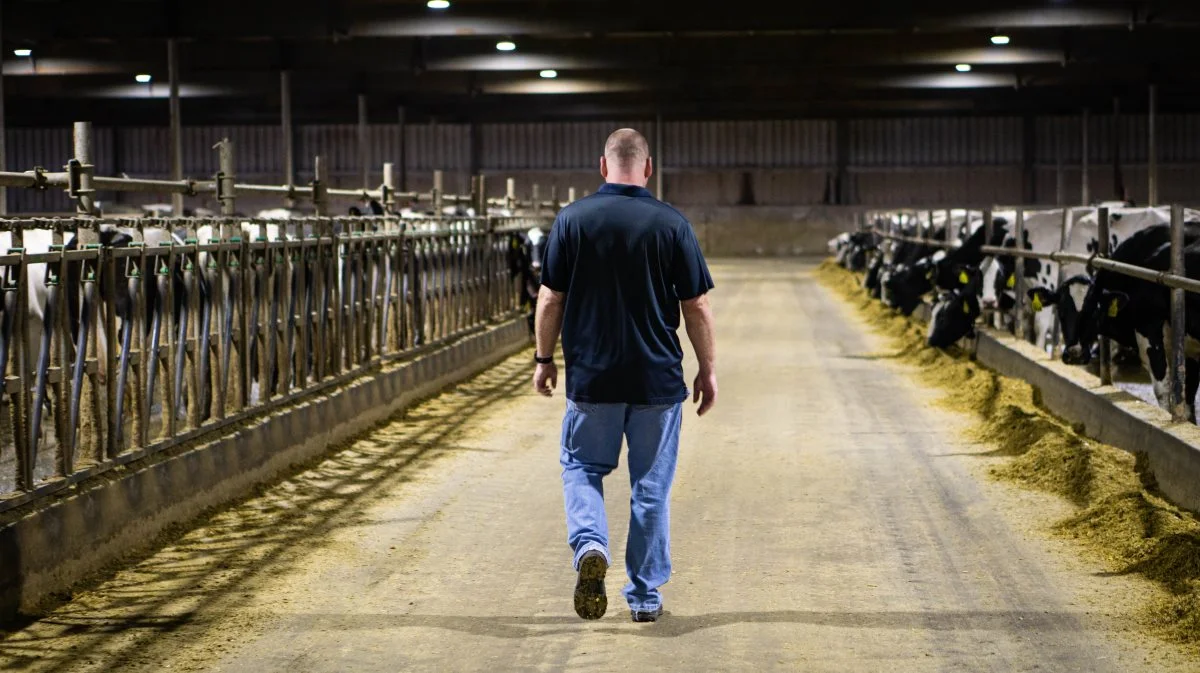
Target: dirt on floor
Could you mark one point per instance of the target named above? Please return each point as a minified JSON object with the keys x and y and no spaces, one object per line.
{"x":1119,"y":517}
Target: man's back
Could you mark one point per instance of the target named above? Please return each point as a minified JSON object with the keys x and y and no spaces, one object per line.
{"x":624,"y":261}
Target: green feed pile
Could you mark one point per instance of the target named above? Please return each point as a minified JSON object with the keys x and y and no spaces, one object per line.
{"x":1120,"y":519}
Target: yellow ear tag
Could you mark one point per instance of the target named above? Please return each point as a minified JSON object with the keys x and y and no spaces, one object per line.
{"x":963,"y":277}
{"x":1114,"y":308}
{"x":966,"y":308}
{"x":1037,"y":303}
{"x":1012,"y":281}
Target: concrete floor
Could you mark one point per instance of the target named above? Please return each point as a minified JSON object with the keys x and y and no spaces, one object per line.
{"x":827,"y":517}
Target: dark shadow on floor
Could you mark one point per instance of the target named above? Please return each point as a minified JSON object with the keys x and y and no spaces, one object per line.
{"x":211,"y":559}
{"x":675,"y":625}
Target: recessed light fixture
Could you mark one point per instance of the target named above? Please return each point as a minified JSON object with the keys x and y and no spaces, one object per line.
{"x":1000,"y":39}
{"x":548,"y":74}
{"x":963,"y":67}
{"x":23,"y":52}
{"x":506,"y":45}
{"x":438,"y":4}
{"x":142,"y":79}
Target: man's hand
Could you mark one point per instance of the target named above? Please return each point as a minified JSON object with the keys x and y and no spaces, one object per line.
{"x":704,"y":391}
{"x":545,"y":379}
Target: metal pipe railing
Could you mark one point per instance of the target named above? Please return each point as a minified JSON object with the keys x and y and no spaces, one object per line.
{"x":177,"y":335}
{"x":1174,"y":278}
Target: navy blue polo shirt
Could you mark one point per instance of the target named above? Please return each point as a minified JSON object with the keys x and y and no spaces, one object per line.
{"x":624,"y":259}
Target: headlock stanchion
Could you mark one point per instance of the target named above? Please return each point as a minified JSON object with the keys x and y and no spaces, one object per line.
{"x":124,"y":336}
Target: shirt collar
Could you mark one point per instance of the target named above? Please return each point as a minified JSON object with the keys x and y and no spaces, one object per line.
{"x":623,"y":190}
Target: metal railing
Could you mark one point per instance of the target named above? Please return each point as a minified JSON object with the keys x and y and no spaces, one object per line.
{"x":1175,"y":279}
{"x":111,"y":353}
{"x":125,"y":336}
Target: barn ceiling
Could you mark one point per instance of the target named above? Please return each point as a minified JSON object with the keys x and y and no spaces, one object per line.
{"x":617,"y":58}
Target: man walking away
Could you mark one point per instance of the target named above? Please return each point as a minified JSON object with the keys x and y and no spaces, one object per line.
{"x":618,"y":267}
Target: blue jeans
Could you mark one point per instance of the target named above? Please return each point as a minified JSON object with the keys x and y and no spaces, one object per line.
{"x":591,"y":447}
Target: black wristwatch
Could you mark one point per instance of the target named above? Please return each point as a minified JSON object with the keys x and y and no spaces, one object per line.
{"x":543,"y":361}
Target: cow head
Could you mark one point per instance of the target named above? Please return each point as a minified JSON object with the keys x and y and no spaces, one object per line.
{"x":906,"y":285}
{"x":1068,"y":300}
{"x":1099,"y":313}
{"x":953,"y":316}
{"x":871,"y":281}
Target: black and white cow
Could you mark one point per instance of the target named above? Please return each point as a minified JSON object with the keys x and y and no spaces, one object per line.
{"x":953,"y":315}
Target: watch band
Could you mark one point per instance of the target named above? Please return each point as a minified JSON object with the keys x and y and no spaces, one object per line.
{"x":543,"y":361}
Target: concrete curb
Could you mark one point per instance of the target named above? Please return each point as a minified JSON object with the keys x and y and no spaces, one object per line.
{"x":52,"y":544}
{"x":1107,"y":413}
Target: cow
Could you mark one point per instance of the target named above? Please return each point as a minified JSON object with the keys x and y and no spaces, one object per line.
{"x":953,"y":315}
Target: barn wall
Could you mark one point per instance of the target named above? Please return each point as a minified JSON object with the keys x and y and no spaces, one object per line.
{"x":974,"y":161}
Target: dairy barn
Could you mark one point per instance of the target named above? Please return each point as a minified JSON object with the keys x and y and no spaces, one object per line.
{"x":322,"y":322}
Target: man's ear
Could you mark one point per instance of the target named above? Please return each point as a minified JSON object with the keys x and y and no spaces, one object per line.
{"x":649,"y":167}
{"x":604,"y":167}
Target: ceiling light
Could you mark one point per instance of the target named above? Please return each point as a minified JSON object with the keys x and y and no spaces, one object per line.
{"x":438,"y":4}
{"x":23,"y":52}
{"x":506,"y":45}
{"x":963,"y":67}
{"x":142,"y":79}
{"x":1000,"y":39}
{"x":549,"y":74}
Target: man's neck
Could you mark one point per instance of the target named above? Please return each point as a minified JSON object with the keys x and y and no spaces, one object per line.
{"x":626,"y":180}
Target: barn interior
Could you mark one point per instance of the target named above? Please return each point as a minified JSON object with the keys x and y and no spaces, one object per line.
{"x":270,"y":273}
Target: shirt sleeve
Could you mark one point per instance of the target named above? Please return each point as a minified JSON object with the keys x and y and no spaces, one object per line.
{"x":556,"y":258}
{"x":689,"y":272}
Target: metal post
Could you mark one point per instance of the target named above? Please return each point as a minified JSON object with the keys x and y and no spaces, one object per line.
{"x":1152,"y":169}
{"x":3,"y":160}
{"x":481,"y":207}
{"x":989,"y":226}
{"x":1020,"y":324}
{"x":1178,"y":371}
{"x":948,"y":235}
{"x":510,"y":195}
{"x":285,"y":127}
{"x":535,"y":196}
{"x":176,"y":130}
{"x":1087,"y":198}
{"x":225,"y":176}
{"x":1056,"y":330}
{"x":570,"y":195}
{"x":929,"y":233}
{"x":402,"y":156}
{"x":389,"y":187}
{"x":1118,"y":179}
{"x":658,"y":153}
{"x":437,"y":194}
{"x":363,"y":159}
{"x":1103,"y":240}
{"x":86,"y":204}
{"x":319,"y":196}
{"x":1060,"y":191}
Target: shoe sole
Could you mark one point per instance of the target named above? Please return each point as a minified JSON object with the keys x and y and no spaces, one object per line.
{"x":590,"y":598}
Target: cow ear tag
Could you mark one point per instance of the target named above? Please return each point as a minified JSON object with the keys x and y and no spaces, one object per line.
{"x":1012,"y":281}
{"x":1037,"y":303}
{"x":1114,"y":308}
{"x":963,"y":277}
{"x":966,"y":308}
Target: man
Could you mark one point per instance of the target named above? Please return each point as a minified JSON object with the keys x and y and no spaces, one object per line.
{"x":617,"y":268}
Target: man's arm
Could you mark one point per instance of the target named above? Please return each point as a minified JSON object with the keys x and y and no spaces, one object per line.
{"x":698,"y":320}
{"x":547,"y":326}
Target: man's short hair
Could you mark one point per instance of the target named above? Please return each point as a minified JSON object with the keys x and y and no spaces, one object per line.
{"x":626,"y":148}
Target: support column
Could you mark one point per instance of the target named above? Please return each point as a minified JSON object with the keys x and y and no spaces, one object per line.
{"x":475,"y":149}
{"x":3,"y":131}
{"x":841,"y":195}
{"x":402,"y":156}
{"x":1152,"y":159}
{"x":1087,"y":197}
{"x":176,"y":130}
{"x":363,"y":158}
{"x":285,"y":127}
{"x":1118,"y":178}
{"x":1028,"y":168}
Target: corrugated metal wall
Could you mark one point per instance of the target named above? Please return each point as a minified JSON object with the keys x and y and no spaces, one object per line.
{"x":911,"y":160}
